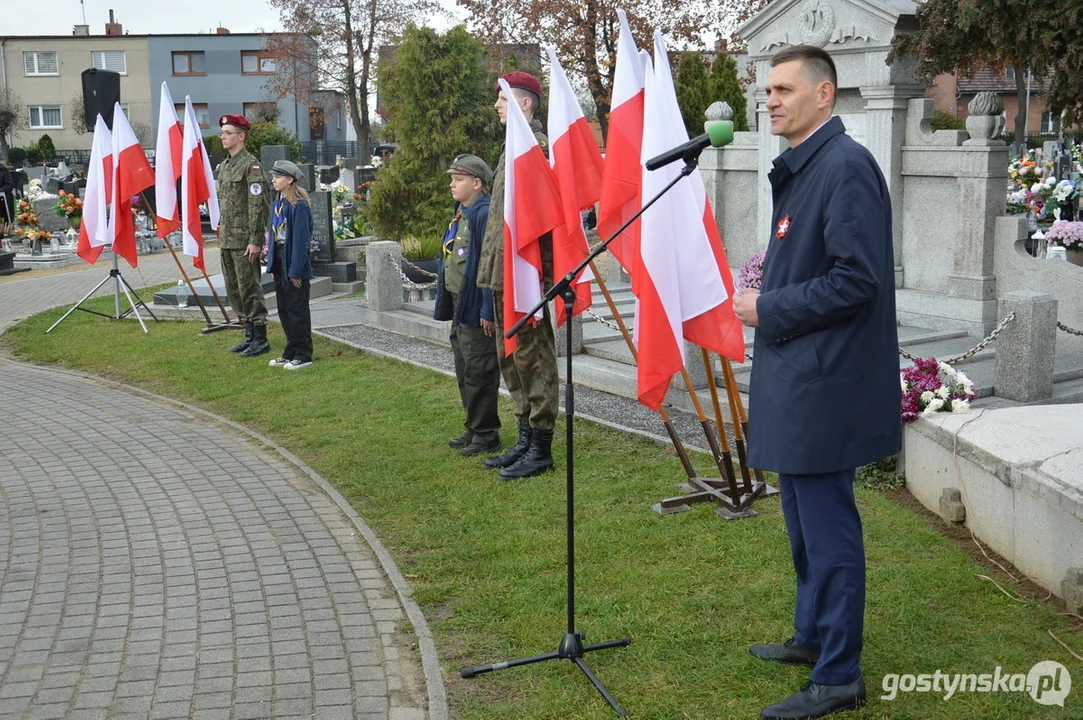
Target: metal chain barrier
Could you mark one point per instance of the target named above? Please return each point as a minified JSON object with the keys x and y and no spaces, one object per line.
{"x":1070,"y":331}
{"x":410,"y":283}
{"x":974,"y":350}
{"x":609,"y":324}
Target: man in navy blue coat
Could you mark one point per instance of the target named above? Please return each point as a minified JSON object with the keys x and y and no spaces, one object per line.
{"x":824,"y":396}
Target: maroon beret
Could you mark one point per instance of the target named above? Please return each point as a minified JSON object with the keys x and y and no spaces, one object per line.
{"x":521,"y":80}
{"x":238,"y":120}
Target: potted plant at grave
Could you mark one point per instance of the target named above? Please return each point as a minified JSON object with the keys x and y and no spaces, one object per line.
{"x":1068,"y":235}
{"x":71,"y":207}
{"x":420,"y":259}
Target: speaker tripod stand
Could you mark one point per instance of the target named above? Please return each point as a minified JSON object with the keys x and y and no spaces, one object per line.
{"x":119,"y":284}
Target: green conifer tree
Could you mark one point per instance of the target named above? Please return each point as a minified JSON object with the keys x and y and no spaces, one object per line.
{"x":438,"y":94}
{"x":725,"y":86}
{"x":692,"y":92}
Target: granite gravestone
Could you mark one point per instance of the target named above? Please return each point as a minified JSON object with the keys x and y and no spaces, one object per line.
{"x":322,"y":229}
{"x":309,"y":170}
{"x":269,"y":154}
{"x":323,"y":232}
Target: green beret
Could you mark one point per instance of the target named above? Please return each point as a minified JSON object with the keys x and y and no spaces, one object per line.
{"x":471,"y":165}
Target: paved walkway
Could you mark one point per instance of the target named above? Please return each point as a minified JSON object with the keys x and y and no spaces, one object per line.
{"x":158,"y":562}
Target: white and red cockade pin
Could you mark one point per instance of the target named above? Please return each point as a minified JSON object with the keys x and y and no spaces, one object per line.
{"x":783,"y":227}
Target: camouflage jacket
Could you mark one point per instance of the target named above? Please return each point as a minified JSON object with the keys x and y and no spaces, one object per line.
{"x":243,"y":201}
{"x":491,"y":269}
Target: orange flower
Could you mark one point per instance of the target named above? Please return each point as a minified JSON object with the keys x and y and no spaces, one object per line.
{"x":62,"y":193}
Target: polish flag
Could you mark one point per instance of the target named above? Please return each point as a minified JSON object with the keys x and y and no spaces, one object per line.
{"x":577,"y":164}
{"x":167,"y":165}
{"x":197,"y":187}
{"x":622,"y":175}
{"x":531,"y":209}
{"x":683,"y":294}
{"x":132,"y":175}
{"x":94,"y":229}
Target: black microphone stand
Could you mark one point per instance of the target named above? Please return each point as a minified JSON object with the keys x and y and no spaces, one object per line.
{"x":571,"y":646}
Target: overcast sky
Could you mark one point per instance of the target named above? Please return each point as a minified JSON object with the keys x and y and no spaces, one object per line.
{"x":146,"y":17}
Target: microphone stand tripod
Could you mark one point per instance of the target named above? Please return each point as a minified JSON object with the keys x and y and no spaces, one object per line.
{"x":571,"y":646}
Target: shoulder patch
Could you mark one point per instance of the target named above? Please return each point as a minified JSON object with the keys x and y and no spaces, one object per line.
{"x":255,"y":188}
{"x":255,"y":166}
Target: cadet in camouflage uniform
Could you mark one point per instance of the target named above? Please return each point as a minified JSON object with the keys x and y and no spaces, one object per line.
{"x":470,"y":309}
{"x":530,"y":373}
{"x":242,"y":198}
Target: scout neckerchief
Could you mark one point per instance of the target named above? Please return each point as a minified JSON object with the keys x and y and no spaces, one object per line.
{"x":279,"y":222}
{"x":452,"y":233}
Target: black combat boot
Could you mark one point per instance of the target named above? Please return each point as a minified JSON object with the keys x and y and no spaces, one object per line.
{"x":516,"y":451}
{"x":538,"y":459}
{"x":243,"y":344}
{"x":259,"y":344}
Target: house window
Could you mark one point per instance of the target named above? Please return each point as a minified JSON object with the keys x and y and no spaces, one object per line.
{"x":44,"y":117}
{"x":189,"y":63}
{"x":201,"y":111}
{"x":315,"y":123}
{"x":124,"y":109}
{"x":113,"y":60}
{"x":257,"y":62}
{"x":1009,"y":72}
{"x":40,"y":63}
{"x":1050,"y":122}
{"x":261,"y":111}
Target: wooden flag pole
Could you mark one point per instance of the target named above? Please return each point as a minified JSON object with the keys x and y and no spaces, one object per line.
{"x":666,"y":420}
{"x":184,"y":274}
{"x":720,"y":424}
{"x":742,"y":425}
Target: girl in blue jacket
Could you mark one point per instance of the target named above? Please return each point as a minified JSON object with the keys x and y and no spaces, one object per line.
{"x":288,"y":261}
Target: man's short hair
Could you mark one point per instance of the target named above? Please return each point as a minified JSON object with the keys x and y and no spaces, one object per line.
{"x":816,"y":63}
{"x":535,"y":101}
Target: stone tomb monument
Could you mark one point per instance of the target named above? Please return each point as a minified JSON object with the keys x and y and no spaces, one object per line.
{"x":323,"y":232}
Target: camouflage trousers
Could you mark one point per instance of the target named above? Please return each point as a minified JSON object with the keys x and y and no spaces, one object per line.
{"x":530,"y":373}
{"x":478,"y":373}
{"x":242,"y":286}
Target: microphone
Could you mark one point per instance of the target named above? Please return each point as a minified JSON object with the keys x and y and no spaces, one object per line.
{"x":719,"y":133}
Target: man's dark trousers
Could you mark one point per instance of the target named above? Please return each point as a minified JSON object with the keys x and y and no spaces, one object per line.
{"x":478,"y":372}
{"x":829,"y":559}
{"x":294,"y":313}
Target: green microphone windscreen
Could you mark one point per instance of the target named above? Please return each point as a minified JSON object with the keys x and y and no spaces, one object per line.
{"x":720,"y":132}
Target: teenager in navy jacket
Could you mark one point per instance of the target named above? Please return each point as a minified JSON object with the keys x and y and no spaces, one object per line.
{"x":288,"y":261}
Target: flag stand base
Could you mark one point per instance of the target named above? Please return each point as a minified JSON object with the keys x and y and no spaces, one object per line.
{"x":119,"y":284}
{"x":222,"y":326}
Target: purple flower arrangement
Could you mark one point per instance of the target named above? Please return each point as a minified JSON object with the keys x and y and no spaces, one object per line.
{"x":751,"y":274}
{"x":313,"y":248}
{"x":929,"y":387}
{"x":1066,"y":234}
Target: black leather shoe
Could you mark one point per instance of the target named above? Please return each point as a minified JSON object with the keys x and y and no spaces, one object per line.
{"x":462,"y":441}
{"x":788,"y":653}
{"x":816,"y":701}
{"x":482,"y":448}
{"x":516,"y":451}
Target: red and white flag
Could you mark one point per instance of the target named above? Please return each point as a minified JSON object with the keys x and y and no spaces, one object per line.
{"x":132,"y":175}
{"x":622,"y":175}
{"x":167,"y":165}
{"x":94,"y":229}
{"x":197,"y":187}
{"x":531,"y":209}
{"x":682,"y":294}
{"x":577,"y":164}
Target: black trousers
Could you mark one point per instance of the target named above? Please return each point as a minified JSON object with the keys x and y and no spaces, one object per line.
{"x":294,"y":314}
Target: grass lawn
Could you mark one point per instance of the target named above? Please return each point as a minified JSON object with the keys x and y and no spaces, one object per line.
{"x":486,"y":558}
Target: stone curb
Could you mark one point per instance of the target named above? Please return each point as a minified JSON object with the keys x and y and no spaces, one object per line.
{"x":434,"y":681}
